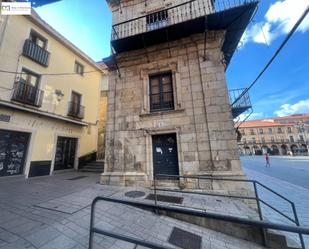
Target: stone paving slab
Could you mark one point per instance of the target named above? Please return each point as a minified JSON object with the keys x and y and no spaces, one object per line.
{"x":213,"y":204}
{"x":25,"y":225}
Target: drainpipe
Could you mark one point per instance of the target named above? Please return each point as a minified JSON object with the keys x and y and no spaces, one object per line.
{"x":206,"y":116}
{"x":193,"y":109}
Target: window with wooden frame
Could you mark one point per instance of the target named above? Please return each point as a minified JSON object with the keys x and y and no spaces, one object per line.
{"x":26,"y":90}
{"x":76,"y":99}
{"x":78,"y":68}
{"x":75,"y":108}
{"x":38,"y":39}
{"x":30,"y":78}
{"x":161,"y":92}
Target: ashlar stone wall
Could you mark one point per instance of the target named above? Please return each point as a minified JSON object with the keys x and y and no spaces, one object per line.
{"x":202,"y":117}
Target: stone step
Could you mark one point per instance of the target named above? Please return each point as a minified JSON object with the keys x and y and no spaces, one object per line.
{"x":93,"y":167}
{"x":96,"y":163}
{"x":91,"y":170}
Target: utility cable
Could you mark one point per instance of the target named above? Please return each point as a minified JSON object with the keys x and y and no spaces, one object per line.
{"x":275,"y":54}
{"x":48,"y":74}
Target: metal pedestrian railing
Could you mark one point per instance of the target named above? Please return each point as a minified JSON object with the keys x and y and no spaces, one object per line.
{"x":130,"y":239}
{"x":256,"y":197}
{"x":180,"y":210}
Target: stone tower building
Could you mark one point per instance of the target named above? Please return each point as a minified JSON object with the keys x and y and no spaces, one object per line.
{"x":168,"y":104}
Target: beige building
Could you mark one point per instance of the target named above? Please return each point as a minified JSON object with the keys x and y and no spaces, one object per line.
{"x":102,"y":115}
{"x":49,"y":107}
{"x":276,"y":136}
{"x":168,"y":104}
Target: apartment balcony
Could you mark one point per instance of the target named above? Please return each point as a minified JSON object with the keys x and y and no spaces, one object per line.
{"x":27,"y":94}
{"x":76,"y":110}
{"x":183,"y":20}
{"x":269,"y":141}
{"x":301,"y":141}
{"x":239,"y":105}
{"x":36,"y":53}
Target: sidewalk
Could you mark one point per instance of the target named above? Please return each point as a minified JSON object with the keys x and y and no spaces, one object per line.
{"x":297,"y":194}
{"x":54,"y":212}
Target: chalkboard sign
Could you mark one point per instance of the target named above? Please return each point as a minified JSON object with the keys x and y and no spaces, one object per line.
{"x":13,"y":149}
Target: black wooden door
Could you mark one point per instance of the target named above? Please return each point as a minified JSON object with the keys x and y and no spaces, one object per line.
{"x":165,"y":155}
{"x":65,"y":153}
{"x":13,"y":150}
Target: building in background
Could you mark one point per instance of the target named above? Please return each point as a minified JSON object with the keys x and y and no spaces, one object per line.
{"x":102,"y":114}
{"x":48,"y":121}
{"x":168,"y":103}
{"x":276,"y":136}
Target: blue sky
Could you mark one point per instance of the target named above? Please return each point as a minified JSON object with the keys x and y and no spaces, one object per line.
{"x":283,"y":89}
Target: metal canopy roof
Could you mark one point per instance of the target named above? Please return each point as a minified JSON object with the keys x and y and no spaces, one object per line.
{"x":233,"y":20}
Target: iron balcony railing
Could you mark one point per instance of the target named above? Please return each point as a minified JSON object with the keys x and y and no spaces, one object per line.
{"x":36,"y":53}
{"x":76,"y":110}
{"x":256,"y":197}
{"x":174,"y":15}
{"x":268,"y":141}
{"x":179,"y":210}
{"x":27,"y":94}
{"x":243,"y":102}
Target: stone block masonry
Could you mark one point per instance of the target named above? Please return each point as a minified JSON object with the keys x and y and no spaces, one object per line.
{"x":201,"y":118}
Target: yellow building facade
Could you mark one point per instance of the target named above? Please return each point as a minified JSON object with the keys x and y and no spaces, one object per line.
{"x":49,"y":107}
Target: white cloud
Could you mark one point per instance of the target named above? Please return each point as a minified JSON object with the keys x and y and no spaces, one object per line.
{"x":301,"y":106}
{"x":254,"y":115}
{"x":278,"y":20}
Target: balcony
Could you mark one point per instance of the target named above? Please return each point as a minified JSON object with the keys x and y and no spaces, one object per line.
{"x":27,"y":94}
{"x":76,"y":110}
{"x":239,"y":105}
{"x":269,"y":141}
{"x":184,"y":20}
{"x":36,"y":53}
{"x":301,"y":141}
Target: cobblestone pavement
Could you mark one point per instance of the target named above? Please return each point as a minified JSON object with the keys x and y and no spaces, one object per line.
{"x":299,"y":195}
{"x":54,"y":213}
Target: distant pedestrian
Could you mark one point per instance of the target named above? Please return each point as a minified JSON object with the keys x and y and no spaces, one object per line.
{"x":267,"y":160}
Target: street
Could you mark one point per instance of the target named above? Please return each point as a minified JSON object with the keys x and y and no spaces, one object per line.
{"x":294,"y":170}
{"x":288,"y":176}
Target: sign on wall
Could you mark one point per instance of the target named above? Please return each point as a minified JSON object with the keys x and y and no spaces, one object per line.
{"x":5,"y":118}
